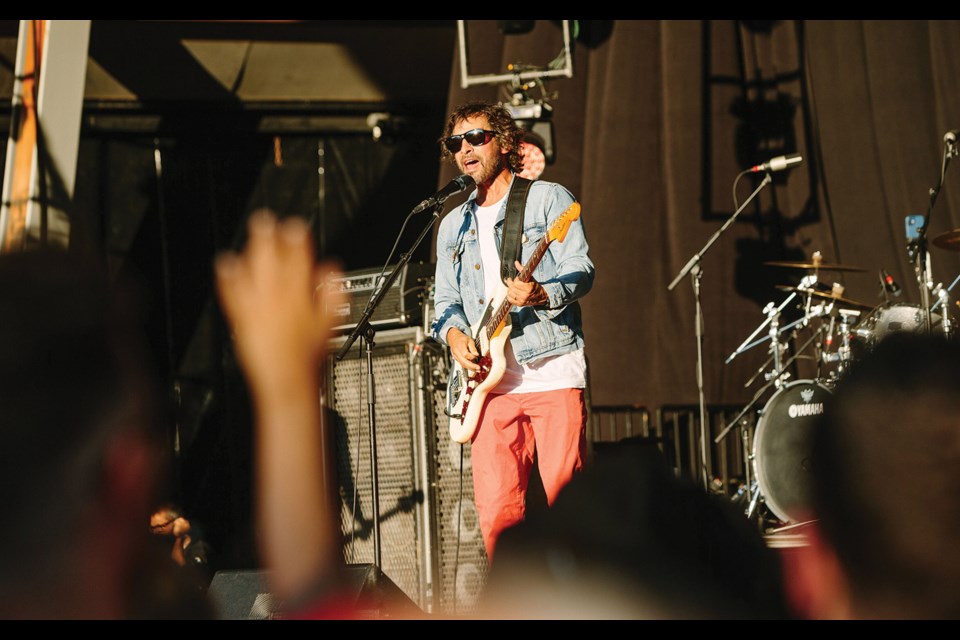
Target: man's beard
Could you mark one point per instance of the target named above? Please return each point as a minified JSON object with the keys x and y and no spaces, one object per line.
{"x":487,"y":173}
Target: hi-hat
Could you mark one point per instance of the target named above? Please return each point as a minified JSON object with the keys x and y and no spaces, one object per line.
{"x":821,"y":266}
{"x":949,"y":240}
{"x":826,"y":295}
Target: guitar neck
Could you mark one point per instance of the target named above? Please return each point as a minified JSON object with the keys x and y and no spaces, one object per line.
{"x":524,"y":276}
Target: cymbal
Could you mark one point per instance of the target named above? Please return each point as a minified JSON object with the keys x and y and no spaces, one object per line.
{"x":822,"y":266}
{"x":825,"y":295}
{"x":949,"y":240}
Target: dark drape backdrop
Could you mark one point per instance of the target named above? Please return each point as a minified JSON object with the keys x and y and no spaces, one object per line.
{"x":651,"y":134}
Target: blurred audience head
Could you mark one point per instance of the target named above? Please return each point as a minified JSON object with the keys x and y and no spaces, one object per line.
{"x":886,"y":488}
{"x":628,"y":539}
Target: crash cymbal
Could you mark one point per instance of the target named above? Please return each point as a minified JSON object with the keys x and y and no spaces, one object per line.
{"x":822,"y":266}
{"x":825,"y":295}
{"x":949,"y":240}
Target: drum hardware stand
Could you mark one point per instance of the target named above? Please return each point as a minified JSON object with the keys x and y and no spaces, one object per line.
{"x":762,"y":369}
{"x":762,"y":389}
{"x":795,"y":525}
{"x":693,"y":268}
{"x":846,"y":325}
{"x":917,"y":245}
{"x":776,"y":375}
{"x":806,"y":282}
{"x":792,"y":325}
{"x":944,"y":300}
{"x":823,"y":348}
{"x":752,"y":487}
{"x":843,"y":353}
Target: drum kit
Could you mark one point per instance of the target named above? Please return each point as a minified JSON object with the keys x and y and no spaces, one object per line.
{"x":838,"y":331}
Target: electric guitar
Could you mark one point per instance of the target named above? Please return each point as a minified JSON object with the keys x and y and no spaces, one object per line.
{"x":467,"y":390}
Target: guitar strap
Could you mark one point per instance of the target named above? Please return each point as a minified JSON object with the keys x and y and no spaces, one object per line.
{"x":513,"y":227}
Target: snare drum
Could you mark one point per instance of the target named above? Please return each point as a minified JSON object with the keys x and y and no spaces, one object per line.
{"x":782,"y":445}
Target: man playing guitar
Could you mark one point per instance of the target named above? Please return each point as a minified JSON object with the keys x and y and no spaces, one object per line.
{"x":538,"y":404}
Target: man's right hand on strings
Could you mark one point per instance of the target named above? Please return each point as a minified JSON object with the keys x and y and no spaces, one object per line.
{"x":463,"y":349}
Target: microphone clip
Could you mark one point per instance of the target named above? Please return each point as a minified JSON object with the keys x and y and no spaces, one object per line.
{"x":951,"y":149}
{"x":889,"y":285}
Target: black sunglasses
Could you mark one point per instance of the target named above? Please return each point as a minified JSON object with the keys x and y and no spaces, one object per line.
{"x":475,"y":137}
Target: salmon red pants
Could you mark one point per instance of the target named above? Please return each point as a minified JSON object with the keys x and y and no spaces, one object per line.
{"x":512,"y":427}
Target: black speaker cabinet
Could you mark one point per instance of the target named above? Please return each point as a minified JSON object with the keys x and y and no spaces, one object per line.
{"x":430,"y":543}
{"x":461,"y":557}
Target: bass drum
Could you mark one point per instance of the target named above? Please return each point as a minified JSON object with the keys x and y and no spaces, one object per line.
{"x":782,"y":444}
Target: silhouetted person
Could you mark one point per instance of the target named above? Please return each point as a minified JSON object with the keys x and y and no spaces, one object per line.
{"x":886,"y":489}
{"x":628,"y":539}
{"x":187,"y":544}
{"x":82,"y":448}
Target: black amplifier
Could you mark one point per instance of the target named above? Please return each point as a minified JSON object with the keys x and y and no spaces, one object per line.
{"x":402,"y":306}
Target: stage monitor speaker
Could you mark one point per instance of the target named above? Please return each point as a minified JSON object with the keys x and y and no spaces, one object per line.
{"x":245,"y":595}
{"x":242,"y":595}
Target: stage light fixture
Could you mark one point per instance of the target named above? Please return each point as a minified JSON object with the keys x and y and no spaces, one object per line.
{"x":533,"y":162}
{"x":386,"y":127}
{"x":524,"y":87}
{"x":536,"y":120}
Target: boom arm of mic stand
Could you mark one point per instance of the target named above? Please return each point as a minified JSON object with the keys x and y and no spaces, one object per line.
{"x":767,"y":179}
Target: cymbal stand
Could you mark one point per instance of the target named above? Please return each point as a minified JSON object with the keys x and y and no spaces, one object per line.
{"x":773,"y":315}
{"x":806,"y":282}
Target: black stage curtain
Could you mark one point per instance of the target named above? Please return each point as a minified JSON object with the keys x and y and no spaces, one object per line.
{"x":651,"y":133}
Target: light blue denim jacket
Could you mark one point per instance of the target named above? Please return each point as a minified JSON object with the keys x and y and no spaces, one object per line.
{"x":565,"y":272}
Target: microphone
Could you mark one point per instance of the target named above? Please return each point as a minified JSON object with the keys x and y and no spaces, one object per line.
{"x":890,"y":284}
{"x":779,"y":163}
{"x":455,"y":186}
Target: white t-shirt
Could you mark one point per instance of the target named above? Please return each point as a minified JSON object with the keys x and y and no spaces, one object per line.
{"x":565,"y":371}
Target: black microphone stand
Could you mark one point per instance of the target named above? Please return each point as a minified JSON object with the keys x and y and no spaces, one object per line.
{"x":917,"y":248}
{"x":369,"y":334}
{"x":693,"y":267}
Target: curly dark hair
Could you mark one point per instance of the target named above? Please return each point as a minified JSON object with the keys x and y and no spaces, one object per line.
{"x":508,"y":134}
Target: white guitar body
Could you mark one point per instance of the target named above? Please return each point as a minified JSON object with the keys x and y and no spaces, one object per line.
{"x":468,"y":388}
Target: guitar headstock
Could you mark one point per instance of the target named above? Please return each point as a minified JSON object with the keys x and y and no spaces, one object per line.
{"x":558,"y":230}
